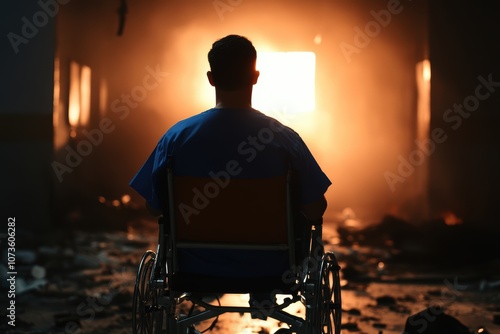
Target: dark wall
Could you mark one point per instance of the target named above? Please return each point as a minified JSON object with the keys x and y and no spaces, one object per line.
{"x":26,"y":95}
{"x":464,"y":47}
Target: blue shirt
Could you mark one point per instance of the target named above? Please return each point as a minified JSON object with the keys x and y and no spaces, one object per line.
{"x":252,"y":144}
{"x":245,"y":143}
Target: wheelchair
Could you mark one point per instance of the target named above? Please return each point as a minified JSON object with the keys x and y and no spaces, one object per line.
{"x":201,"y":214}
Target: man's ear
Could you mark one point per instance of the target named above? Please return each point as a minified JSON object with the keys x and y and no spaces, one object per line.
{"x":255,"y":77}
{"x":210,"y":78}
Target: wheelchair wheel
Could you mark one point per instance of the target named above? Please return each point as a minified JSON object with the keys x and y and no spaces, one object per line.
{"x":148,"y":316}
{"x":328,"y":311}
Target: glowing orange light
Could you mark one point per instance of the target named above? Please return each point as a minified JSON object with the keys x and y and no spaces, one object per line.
{"x":79,"y":94}
{"x":125,"y":199}
{"x":286,"y":83}
{"x":335,"y":240}
{"x":423,"y":69}
{"x":380,"y":266}
{"x":74,"y":94}
{"x":426,"y":70}
{"x":85,"y":80}
{"x":451,"y":219}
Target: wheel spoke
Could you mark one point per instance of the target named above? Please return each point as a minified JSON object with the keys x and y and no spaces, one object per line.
{"x":147,"y":314}
{"x":326,"y":317}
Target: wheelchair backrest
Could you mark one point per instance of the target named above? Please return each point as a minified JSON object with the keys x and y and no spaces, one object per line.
{"x":232,"y":213}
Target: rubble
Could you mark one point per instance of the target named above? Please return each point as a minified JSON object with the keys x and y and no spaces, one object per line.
{"x":386,"y":301}
{"x":433,"y":320}
{"x":383,"y":251}
{"x":85,"y":281}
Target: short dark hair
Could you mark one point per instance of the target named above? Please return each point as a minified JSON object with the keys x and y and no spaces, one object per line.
{"x":232,"y":62}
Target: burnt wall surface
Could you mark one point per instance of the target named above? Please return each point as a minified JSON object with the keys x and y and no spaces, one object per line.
{"x":465,"y":53}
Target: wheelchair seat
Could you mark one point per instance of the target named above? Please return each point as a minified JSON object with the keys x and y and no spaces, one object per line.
{"x":220,"y":236}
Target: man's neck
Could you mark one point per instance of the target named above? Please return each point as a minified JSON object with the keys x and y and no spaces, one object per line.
{"x":233,"y":99}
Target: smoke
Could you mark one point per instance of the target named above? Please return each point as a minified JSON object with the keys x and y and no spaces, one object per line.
{"x":365,"y":100}
{"x":365,"y":103}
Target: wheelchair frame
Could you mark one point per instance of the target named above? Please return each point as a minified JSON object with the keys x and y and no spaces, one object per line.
{"x":316,"y":284}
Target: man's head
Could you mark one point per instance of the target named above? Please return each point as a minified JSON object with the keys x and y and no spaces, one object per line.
{"x":232,"y":63}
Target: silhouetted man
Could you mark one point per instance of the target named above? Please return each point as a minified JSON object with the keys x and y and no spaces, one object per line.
{"x":259,"y":145}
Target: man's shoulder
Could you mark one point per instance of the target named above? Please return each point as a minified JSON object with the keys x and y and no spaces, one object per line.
{"x":184,"y":127}
{"x":190,"y":121}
